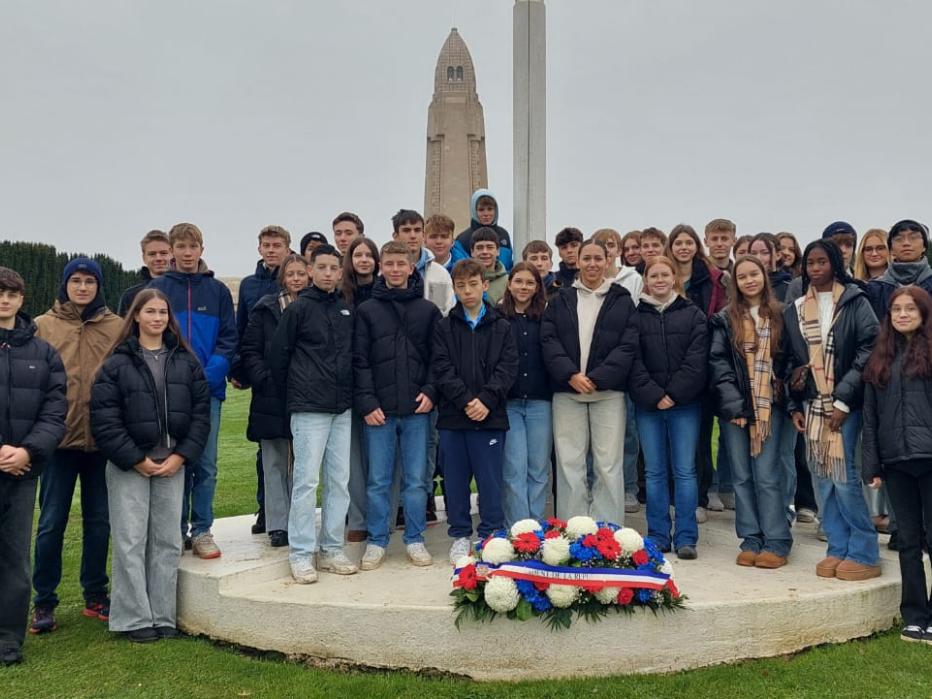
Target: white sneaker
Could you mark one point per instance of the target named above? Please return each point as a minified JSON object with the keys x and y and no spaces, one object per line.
{"x":805,"y":515}
{"x":715,"y":503}
{"x":459,"y":549}
{"x":303,"y":572}
{"x":372,"y":558}
{"x":728,"y":500}
{"x":702,"y":515}
{"x":419,"y":555}
{"x":336,"y":562}
{"x":631,"y":503}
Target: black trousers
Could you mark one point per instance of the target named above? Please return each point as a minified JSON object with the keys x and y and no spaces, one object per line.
{"x":911,"y":496}
{"x":805,"y":496}
{"x":17,"y":504}
{"x":704,"y":468}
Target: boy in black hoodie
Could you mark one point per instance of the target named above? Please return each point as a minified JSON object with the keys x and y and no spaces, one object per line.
{"x":475,"y":362}
{"x":32,"y":378}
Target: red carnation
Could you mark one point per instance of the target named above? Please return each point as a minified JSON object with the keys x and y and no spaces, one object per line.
{"x":671,"y":587}
{"x":552,"y":534}
{"x":589,"y":541}
{"x":468,"y":578}
{"x":526,"y":542}
{"x":640,"y":557}
{"x":605,"y":533}
{"x":556,"y":523}
{"x":625,"y":596}
{"x":609,"y":549}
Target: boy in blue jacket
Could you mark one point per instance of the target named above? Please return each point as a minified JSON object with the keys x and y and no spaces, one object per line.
{"x":203,"y":307}
{"x":483,"y":209}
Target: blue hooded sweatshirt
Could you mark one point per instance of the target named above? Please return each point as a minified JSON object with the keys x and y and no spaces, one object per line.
{"x":461,"y":248}
{"x":203,"y":308}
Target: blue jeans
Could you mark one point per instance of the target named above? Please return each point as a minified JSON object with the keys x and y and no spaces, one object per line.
{"x":669,"y":439}
{"x":56,"y":488}
{"x":760,"y":518}
{"x":631,"y":448}
{"x":321,"y":453}
{"x":845,"y":519}
{"x":412,"y":433}
{"x":200,"y":481}
{"x":469,"y":454}
{"x":721,"y":479}
{"x":526,"y":468}
{"x":786,"y":459}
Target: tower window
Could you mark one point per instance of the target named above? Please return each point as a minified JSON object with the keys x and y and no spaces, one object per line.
{"x":459,"y":73}
{"x":450,"y":74}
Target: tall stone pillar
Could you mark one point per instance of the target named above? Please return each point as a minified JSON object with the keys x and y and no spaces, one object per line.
{"x":530,"y":122}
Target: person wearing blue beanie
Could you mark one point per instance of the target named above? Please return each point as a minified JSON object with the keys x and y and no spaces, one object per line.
{"x":845,"y":237}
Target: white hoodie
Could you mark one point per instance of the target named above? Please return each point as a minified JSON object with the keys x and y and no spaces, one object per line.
{"x":629,"y":278}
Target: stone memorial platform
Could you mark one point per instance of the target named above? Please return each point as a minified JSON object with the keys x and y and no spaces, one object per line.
{"x":400,"y":616}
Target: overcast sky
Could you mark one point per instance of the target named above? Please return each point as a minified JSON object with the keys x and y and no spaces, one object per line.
{"x":120,"y":116}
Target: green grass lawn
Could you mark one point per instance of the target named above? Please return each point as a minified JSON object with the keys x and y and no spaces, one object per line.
{"x":82,"y":659}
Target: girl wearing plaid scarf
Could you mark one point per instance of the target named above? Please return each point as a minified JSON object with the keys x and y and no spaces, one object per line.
{"x":744,"y":369}
{"x":830,"y":333}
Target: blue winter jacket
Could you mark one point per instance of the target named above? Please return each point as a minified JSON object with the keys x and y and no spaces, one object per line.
{"x":461,"y":248}
{"x":203,"y":308}
{"x":253,"y":288}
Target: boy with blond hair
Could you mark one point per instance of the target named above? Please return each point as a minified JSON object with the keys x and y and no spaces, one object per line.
{"x":439,"y":239}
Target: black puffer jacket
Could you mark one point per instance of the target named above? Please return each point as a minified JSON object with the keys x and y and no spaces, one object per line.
{"x":533,"y":381}
{"x":780,"y":284}
{"x":614,"y":340}
{"x":268,"y":418}
{"x":125,"y":416}
{"x":855,"y":328}
{"x":674,"y":354}
{"x":467,"y":364}
{"x":729,"y":383}
{"x":897,"y":425}
{"x":32,"y":394}
{"x":392,"y":348}
{"x":312,"y":353}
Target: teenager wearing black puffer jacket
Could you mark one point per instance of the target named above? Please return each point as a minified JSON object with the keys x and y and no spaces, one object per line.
{"x":32,"y":423}
{"x":150,"y":414}
{"x":268,"y":418}
{"x":667,"y":380}
{"x":589,"y":340}
{"x":312,"y":357}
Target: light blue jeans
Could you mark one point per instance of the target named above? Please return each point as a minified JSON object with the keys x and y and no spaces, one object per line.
{"x":200,"y":481}
{"x":411,"y":434}
{"x":845,"y":520}
{"x":760,"y":514}
{"x":526,"y":466}
{"x":321,"y":453}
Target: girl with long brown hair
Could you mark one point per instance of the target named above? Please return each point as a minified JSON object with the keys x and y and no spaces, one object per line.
{"x":897,"y":441}
{"x":360,"y":267}
{"x":791,"y":256}
{"x":745,"y":364}
{"x":526,"y":464}
{"x":150,"y":415}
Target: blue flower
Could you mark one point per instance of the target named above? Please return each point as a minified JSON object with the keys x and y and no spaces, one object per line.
{"x":645,"y":596}
{"x":526,"y":589}
{"x":583,"y":553}
{"x":541,"y":603}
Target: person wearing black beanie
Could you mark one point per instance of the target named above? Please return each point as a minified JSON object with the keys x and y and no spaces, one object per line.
{"x":845,"y":237}
{"x":309,"y":242}
{"x":908,"y":241}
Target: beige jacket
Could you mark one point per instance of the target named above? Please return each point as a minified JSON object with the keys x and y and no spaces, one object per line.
{"x":83,"y":345}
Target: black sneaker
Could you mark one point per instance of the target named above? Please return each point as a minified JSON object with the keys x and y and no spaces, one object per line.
{"x":894,"y":543}
{"x":167,"y":632}
{"x":11,"y":656}
{"x":927,"y":635}
{"x":687,"y":553}
{"x":147,"y":635}
{"x":259,"y":526}
{"x":912,"y":633}
{"x":278,"y":538}
{"x":43,"y":620}
{"x":188,"y":543}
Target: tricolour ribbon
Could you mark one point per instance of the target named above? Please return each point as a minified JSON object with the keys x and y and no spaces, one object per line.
{"x":539,"y":572}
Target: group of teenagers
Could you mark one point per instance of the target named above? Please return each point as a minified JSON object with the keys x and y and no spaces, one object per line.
{"x":374,"y":369}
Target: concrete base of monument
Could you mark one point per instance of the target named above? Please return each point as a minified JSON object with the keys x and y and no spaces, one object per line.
{"x":400,"y":616}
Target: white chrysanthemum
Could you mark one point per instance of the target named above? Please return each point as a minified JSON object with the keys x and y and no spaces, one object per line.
{"x":556,"y":551}
{"x":497,"y":551}
{"x":501,"y":594}
{"x":630,"y":541}
{"x":667,"y":568}
{"x":580,"y":526}
{"x":524,"y":526}
{"x":562,"y":595}
{"x":607,"y":595}
{"x":464,"y":561}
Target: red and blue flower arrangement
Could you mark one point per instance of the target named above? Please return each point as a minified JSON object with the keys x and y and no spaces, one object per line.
{"x":554,"y":569}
